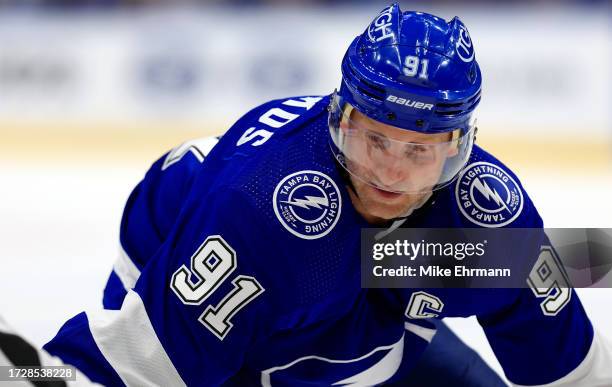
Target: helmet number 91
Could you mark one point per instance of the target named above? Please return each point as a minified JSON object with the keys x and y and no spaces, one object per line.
{"x":412,"y":65}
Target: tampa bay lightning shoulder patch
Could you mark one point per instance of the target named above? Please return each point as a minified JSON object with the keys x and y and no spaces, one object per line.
{"x":488,"y":196}
{"x":307,"y":204}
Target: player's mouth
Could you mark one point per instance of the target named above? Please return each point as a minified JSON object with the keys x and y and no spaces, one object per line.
{"x":387,"y":195}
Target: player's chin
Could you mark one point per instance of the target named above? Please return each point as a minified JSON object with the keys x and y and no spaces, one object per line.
{"x":386,"y":211}
{"x":387,"y":205}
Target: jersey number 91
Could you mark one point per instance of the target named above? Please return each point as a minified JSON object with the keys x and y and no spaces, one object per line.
{"x":211,"y":265}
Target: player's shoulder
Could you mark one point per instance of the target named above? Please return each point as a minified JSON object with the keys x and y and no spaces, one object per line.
{"x":266,"y":139}
{"x":281,"y":143}
{"x":251,"y":131}
{"x":487,"y":193}
{"x":222,"y":159}
{"x":265,"y":121}
{"x":239,"y":170}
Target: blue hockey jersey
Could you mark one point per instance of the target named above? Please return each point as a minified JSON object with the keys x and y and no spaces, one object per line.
{"x":240,"y":264}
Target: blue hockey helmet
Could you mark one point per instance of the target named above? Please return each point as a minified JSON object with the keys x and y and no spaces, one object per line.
{"x":412,"y":71}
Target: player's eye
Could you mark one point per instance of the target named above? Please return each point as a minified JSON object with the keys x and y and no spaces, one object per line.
{"x":377,"y":141}
{"x":420,"y":154}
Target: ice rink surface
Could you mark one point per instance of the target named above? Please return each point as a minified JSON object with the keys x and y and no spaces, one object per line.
{"x":59,"y":226}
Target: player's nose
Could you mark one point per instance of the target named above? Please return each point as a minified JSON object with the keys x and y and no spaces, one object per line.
{"x":391,"y":172}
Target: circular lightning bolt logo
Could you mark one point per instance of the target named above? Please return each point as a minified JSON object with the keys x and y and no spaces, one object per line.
{"x":488,"y":196}
{"x":307,"y":203}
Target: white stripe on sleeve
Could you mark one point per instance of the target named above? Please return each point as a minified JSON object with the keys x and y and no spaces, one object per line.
{"x":126,"y":270}
{"x":594,"y":371}
{"x":128,"y":342}
{"x":426,"y":334}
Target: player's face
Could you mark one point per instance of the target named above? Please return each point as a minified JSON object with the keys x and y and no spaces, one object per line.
{"x":394,"y":161}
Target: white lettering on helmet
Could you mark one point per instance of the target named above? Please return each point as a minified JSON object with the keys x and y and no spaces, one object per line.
{"x":465,"y":51}
{"x":380,"y":26}
{"x":410,"y":103}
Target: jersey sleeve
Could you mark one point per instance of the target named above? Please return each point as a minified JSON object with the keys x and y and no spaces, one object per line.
{"x":542,"y":335}
{"x":557,"y":350}
{"x":534,"y":348}
{"x":150,"y":212}
{"x":199,"y":305}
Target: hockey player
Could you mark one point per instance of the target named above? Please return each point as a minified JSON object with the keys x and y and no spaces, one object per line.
{"x":240,"y":259}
